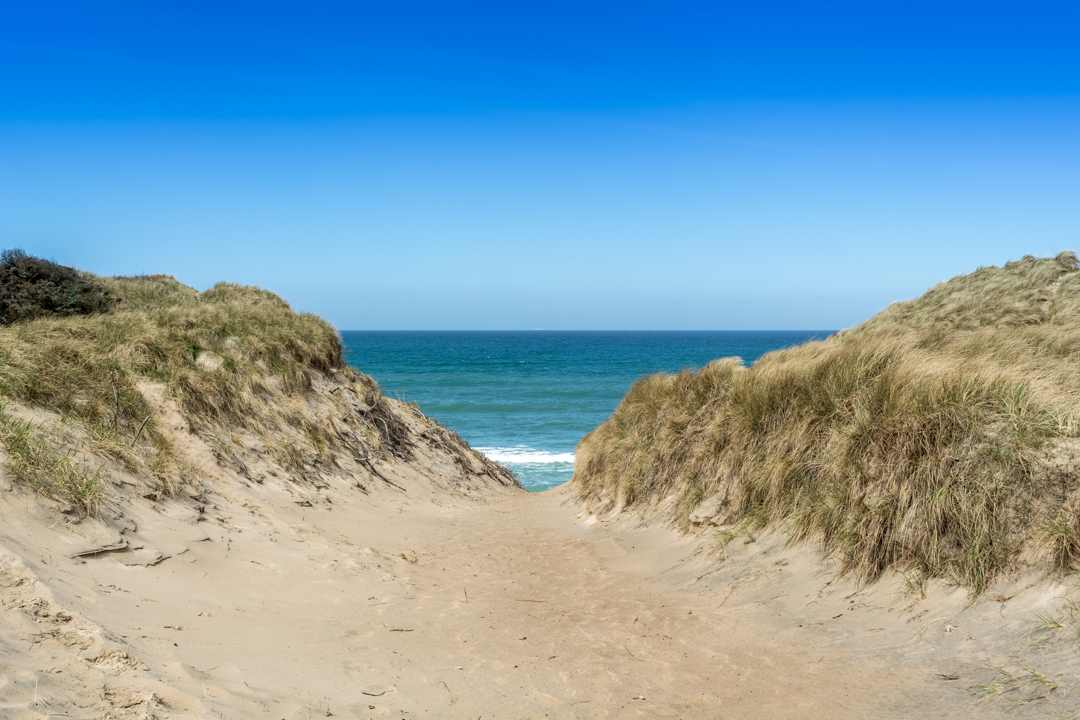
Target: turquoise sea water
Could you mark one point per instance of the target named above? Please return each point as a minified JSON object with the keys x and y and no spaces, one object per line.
{"x":527,"y":398}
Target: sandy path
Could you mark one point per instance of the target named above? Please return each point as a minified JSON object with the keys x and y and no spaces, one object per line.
{"x":514,"y":607}
{"x":569,"y":620}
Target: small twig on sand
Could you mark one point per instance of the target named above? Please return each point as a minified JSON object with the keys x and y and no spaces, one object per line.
{"x":443,"y":683}
{"x":466,"y":595}
{"x":136,"y":438}
{"x":521,"y":600}
{"x":632,"y":654}
{"x":116,"y":412}
{"x":379,"y":475}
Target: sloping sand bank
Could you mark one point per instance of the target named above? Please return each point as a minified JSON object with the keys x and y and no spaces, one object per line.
{"x":258,"y":603}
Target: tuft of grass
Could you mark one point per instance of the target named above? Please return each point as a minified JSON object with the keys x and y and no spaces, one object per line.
{"x":934,"y":439}
{"x":35,"y":461}
{"x":1060,"y":534}
{"x":1063,"y":618}
{"x":1026,"y":685}
{"x":720,"y":540}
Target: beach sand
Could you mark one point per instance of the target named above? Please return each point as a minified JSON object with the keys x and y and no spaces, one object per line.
{"x":256,"y":602}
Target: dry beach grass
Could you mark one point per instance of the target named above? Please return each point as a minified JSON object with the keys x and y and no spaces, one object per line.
{"x":936,"y":438}
{"x":234,"y":359}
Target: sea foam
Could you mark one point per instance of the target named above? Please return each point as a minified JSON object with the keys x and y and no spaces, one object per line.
{"x":524,"y":455}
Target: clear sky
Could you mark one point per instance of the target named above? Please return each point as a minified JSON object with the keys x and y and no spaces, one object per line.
{"x":519,"y":165}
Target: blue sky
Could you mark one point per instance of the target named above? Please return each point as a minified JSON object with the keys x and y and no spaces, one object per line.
{"x":547,"y":165}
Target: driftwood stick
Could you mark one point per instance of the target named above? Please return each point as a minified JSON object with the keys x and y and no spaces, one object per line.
{"x":136,"y":438}
{"x":379,"y":475}
{"x":116,"y":410}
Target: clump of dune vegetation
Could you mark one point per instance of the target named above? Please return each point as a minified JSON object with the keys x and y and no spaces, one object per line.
{"x":37,"y":461}
{"x":232,"y":359}
{"x":31,"y":288}
{"x":936,"y":439}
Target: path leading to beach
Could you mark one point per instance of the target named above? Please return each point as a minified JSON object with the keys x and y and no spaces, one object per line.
{"x":517,"y":606}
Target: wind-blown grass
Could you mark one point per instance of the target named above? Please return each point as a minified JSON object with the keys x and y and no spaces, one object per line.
{"x":33,"y":460}
{"x":232,"y":356}
{"x":935,"y":438}
{"x":246,"y":373}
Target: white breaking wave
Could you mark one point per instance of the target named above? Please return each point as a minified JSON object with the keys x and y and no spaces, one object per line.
{"x":523,"y":455}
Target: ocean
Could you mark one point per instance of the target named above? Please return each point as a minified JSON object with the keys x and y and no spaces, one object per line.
{"x":526,"y":398}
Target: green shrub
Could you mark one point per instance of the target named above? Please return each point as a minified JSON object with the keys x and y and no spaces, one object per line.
{"x":33,"y":288}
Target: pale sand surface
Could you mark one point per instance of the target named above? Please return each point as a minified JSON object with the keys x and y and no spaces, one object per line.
{"x":513,"y":606}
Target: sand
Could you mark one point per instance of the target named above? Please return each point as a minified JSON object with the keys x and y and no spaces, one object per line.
{"x":458,"y":598}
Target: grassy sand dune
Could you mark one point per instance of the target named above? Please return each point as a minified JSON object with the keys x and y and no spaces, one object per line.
{"x":937,"y":438}
{"x":240,"y":366}
{"x":232,"y":355}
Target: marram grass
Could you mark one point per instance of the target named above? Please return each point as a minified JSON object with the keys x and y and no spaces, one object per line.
{"x":936,"y":438}
{"x":36,"y":461}
{"x":231,"y":357}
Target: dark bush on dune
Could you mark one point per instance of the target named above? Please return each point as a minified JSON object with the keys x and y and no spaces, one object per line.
{"x":34,"y":288}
